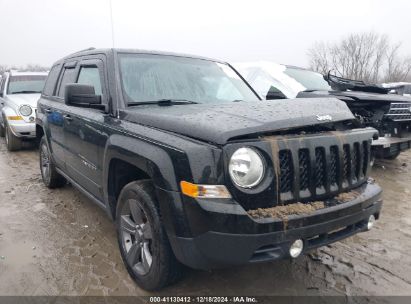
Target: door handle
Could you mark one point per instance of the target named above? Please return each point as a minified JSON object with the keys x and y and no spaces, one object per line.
{"x":68,"y":117}
{"x":48,"y":111}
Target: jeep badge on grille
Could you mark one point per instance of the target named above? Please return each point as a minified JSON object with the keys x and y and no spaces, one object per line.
{"x":324,"y":117}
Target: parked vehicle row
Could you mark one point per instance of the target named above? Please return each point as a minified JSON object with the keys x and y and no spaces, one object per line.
{"x":371,"y":105}
{"x":19,"y":93}
{"x":190,"y":162}
{"x":400,"y":88}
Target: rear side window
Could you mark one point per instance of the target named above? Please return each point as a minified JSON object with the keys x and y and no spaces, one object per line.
{"x":51,"y":80}
{"x":90,"y":75}
{"x":69,"y":76}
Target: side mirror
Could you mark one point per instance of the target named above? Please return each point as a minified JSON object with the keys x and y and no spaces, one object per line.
{"x":275,"y":95}
{"x":82,"y":95}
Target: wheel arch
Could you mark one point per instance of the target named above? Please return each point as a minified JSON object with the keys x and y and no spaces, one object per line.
{"x":39,"y":132}
{"x":125,"y":162}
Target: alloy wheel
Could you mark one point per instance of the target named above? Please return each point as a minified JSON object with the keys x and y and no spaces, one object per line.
{"x":45,"y":162}
{"x":136,"y":237}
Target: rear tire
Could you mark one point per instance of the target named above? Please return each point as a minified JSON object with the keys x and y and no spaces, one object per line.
{"x":2,"y":132}
{"x":51,"y":178}
{"x":142,"y":239}
{"x":13,"y":143}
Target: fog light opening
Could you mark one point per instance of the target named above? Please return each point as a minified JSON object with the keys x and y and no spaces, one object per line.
{"x":371,"y":222}
{"x":296,"y":248}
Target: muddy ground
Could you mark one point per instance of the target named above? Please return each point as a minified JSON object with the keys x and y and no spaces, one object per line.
{"x":59,"y":243}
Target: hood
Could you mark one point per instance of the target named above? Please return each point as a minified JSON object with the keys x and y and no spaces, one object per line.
{"x":357,"y":96}
{"x":218,"y":123}
{"x":24,"y":99}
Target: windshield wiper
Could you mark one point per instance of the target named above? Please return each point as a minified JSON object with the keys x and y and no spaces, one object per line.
{"x":309,"y":90}
{"x":163,"y":102}
{"x":25,"y":92}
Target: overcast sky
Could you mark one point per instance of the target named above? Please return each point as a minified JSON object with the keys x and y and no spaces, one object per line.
{"x":43,"y":31}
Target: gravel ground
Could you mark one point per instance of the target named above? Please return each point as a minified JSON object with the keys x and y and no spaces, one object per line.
{"x":59,"y":243}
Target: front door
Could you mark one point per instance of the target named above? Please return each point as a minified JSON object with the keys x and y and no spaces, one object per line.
{"x":85,"y":137}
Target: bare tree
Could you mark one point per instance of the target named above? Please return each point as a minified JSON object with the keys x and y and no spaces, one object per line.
{"x":398,"y":68}
{"x":27,"y":67}
{"x":365,"y":56}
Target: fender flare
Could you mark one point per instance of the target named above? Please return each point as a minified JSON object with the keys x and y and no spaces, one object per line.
{"x":7,"y":111}
{"x":150,"y":157}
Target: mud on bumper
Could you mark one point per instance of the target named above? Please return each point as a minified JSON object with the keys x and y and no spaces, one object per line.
{"x":217,"y":249}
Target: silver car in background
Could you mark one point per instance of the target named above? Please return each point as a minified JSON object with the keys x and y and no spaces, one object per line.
{"x":19,"y":92}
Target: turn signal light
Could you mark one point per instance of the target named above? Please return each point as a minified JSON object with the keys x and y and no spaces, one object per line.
{"x":204,"y":191}
{"x":14,"y":118}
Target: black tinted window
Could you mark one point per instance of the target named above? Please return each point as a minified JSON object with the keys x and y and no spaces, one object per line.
{"x":91,"y":76}
{"x":69,"y":76}
{"x":51,"y":80}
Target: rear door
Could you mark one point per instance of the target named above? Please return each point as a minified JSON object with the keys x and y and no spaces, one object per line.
{"x":53,"y":108}
{"x":85,"y":136}
{"x":2,"y":85}
{"x":3,"y":89}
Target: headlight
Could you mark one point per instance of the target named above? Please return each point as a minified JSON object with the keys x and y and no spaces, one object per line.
{"x":246,"y":168}
{"x":25,"y":110}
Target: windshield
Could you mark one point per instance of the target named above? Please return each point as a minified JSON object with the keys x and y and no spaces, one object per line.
{"x":26,"y":84}
{"x":148,"y":78}
{"x":309,"y":79}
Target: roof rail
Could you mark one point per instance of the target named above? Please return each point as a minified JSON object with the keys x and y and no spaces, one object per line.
{"x":88,"y":49}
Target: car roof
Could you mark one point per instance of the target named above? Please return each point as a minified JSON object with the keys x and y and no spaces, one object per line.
{"x":27,"y":73}
{"x":94,"y":51}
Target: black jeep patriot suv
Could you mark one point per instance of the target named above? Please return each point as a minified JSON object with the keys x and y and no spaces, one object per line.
{"x":192,"y":166}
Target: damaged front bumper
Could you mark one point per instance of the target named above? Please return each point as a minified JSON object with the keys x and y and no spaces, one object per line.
{"x":226,"y":235}
{"x":385,"y":147}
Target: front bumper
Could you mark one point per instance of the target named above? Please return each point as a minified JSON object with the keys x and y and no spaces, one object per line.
{"x":226,"y":235}
{"x":22,"y":129}
{"x":389,"y":146}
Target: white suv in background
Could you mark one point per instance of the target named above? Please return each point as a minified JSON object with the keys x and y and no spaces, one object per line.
{"x":19,"y":92}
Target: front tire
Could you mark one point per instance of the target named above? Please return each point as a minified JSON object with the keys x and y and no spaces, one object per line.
{"x":13,"y":143}
{"x":142,"y":239}
{"x":51,"y":178}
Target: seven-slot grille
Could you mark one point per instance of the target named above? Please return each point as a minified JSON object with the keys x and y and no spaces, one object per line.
{"x":399,"y":111}
{"x":313,"y":168}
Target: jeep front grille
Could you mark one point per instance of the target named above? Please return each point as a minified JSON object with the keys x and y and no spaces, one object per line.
{"x":286,"y":171}
{"x":399,"y":111}
{"x":304,"y":162}
{"x":334,"y":165}
{"x":320,"y":166}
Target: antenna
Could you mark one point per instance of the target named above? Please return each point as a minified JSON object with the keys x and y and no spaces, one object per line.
{"x":112,"y":24}
{"x":113,"y":46}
